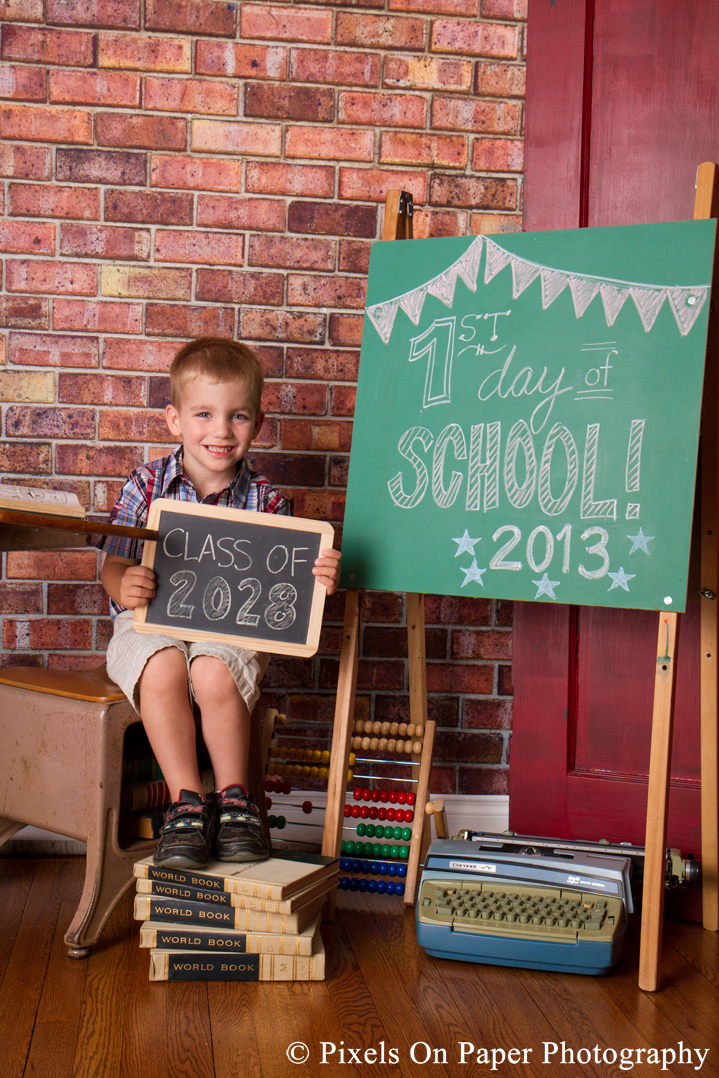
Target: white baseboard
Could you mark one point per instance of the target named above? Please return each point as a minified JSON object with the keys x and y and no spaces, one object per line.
{"x":480,"y":812}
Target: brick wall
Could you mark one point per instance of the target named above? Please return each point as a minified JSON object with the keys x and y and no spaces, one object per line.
{"x":172,"y":168}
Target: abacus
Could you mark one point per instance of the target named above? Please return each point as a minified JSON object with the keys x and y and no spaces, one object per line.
{"x":375,"y":851}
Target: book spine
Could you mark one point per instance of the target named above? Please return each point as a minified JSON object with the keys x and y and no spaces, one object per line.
{"x":169,"y":966}
{"x":198,"y":939}
{"x":184,"y":891}
{"x":152,"y":908}
{"x":178,"y":875}
{"x":135,"y":797}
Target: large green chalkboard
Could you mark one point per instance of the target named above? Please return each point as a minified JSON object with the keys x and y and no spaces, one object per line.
{"x":527,"y":415}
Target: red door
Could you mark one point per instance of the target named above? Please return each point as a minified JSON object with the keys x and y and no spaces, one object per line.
{"x":622,"y":105}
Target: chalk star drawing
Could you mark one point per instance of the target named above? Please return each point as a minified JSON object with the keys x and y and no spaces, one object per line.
{"x":545,"y":586}
{"x":639,"y":542}
{"x":473,"y":573}
{"x":620,"y":579}
{"x":465,"y":545}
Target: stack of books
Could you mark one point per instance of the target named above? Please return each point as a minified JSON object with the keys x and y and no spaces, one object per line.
{"x":257,"y":921}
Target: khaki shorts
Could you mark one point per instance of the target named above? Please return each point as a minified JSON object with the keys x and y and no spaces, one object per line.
{"x":128,"y":651}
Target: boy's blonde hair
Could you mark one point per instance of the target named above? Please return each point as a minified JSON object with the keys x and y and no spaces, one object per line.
{"x":219,"y":360}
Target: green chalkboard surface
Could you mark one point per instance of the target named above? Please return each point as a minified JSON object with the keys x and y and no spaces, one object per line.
{"x":527,"y":415}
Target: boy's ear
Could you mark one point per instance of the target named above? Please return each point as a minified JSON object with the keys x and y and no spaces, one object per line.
{"x":172,"y":420}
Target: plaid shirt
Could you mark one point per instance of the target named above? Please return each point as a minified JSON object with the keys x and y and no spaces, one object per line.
{"x":164,"y":478}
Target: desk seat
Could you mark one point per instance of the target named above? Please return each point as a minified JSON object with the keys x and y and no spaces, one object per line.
{"x":61,"y":753}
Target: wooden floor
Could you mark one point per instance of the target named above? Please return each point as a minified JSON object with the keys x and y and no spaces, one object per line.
{"x":101,"y":1017}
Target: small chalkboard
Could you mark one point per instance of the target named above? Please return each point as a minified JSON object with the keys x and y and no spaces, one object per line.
{"x":229,"y":574}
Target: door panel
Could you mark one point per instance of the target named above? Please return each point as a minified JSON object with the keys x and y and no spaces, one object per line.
{"x":622,"y":106}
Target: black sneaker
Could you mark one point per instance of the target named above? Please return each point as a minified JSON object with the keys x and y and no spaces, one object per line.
{"x":240,"y":835}
{"x":187,"y":833}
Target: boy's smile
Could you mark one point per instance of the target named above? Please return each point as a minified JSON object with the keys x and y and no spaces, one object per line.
{"x":216,"y":422}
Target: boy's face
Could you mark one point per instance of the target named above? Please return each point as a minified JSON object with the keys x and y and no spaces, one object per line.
{"x":216,"y":422}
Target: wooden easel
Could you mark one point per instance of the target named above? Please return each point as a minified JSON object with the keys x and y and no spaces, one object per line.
{"x":706,"y":205}
{"x":397,"y":226}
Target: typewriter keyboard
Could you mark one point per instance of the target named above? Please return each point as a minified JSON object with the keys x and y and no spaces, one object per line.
{"x":521,"y":912}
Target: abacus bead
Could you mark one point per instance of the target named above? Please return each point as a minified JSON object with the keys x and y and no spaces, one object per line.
{"x":377,"y":851}
{"x":406,"y":834}
{"x":314,"y":772}
{"x":367,"y":726}
{"x":359,"y":726}
{"x":305,"y":775}
{"x":393,"y":797}
{"x":371,"y":830}
{"x":365,"y":744}
{"x":350,"y":775}
{"x":410,"y":729}
{"x":399,"y":815}
{"x":384,"y":796}
{"x":271,"y":768}
{"x":361,"y":829}
{"x":366,"y":794}
{"x":404,"y":852}
{"x":281,"y":822}
{"x":385,"y":850}
{"x":382,"y":868}
{"x":364,"y":812}
{"x":392,"y":870}
{"x":419,"y":729}
{"x":408,"y":815}
{"x":399,"y":745}
{"x":323,"y":774}
{"x":373,"y":867}
{"x":373,"y":744}
{"x":391,"y":814}
{"x":381,"y":887}
{"x":396,"y":832}
{"x":286,"y":788}
{"x":373,"y":812}
{"x":399,"y":888}
{"x":352,"y":760}
{"x":356,"y":863}
{"x":354,"y":885}
{"x":343,"y":883}
{"x":356,"y":812}
{"x":375,"y":795}
{"x":390,"y":887}
{"x":349,"y":846}
{"x":348,"y":811}
{"x":393,"y":728}
{"x":364,"y":885}
{"x":372,"y":886}
{"x":384,"y":728}
{"x":382,"y":744}
{"x":417,"y":747}
{"x":391,"y":745}
{"x":401,"y":870}
{"x":325,"y":756}
{"x":402,"y":729}
{"x":382,"y":814}
{"x":269,"y":785}
{"x":394,"y":851}
{"x":411,"y":798}
{"x":356,"y":742}
{"x":365,"y":866}
{"x":316,"y":756}
{"x":268,"y":803}
{"x":357,"y":793}
{"x":401,"y":798}
{"x":272,"y":821}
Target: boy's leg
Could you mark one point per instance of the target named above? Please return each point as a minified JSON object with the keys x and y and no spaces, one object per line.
{"x":225,"y":720}
{"x":166,"y":712}
{"x":226,"y":732}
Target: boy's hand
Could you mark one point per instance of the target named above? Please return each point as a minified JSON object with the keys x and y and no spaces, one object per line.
{"x":327,"y":569}
{"x":137,"y":586}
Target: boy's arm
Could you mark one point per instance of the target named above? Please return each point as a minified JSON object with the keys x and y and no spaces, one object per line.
{"x":327,"y":569}
{"x":126,"y":581}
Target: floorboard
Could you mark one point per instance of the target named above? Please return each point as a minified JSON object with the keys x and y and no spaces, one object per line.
{"x":386,"y":1007}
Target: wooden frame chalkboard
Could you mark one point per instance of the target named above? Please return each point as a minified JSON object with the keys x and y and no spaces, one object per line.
{"x":235,"y":575}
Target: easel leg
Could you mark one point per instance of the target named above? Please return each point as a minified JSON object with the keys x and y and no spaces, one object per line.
{"x":658,"y":803}
{"x":706,"y":205}
{"x":342,"y":730}
{"x":416,"y":651}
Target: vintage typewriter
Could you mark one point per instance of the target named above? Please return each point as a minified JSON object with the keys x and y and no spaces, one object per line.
{"x":514,"y":900}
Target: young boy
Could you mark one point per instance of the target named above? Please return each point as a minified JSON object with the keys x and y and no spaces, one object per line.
{"x":216,"y":388}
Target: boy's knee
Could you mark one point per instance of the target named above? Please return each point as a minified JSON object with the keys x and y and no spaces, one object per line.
{"x":168,"y":662}
{"x":211,"y":675}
